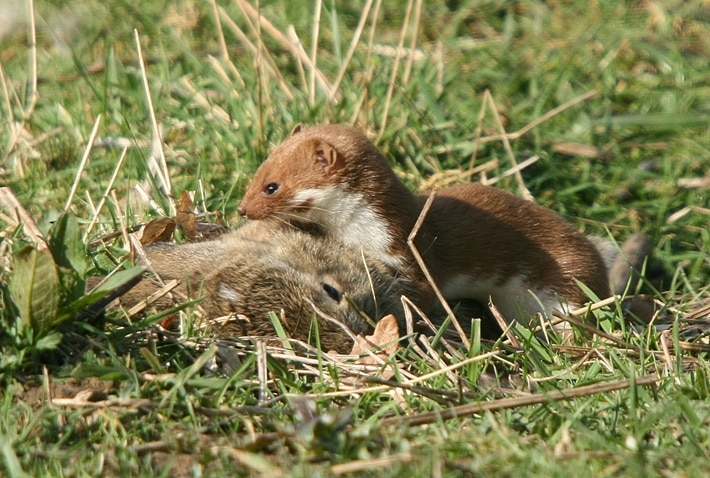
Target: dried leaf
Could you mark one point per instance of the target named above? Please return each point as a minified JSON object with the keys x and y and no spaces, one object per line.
{"x":159,"y":229}
{"x":196,"y":231}
{"x":576,"y":149}
{"x":383,"y":342}
{"x":186,"y":219}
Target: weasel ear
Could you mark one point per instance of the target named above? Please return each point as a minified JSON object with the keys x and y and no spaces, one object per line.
{"x":296,"y":129}
{"x":328,"y":157}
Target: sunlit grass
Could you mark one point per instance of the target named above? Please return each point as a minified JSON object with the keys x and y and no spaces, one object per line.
{"x":634,"y":156}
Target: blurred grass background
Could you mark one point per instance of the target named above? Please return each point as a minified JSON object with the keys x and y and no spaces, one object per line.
{"x":647,"y":126}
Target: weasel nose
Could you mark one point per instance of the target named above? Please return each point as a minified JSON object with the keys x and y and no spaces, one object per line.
{"x":242,"y":210}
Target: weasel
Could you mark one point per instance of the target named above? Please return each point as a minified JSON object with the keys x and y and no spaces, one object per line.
{"x":260,"y":268}
{"x":477,"y":241}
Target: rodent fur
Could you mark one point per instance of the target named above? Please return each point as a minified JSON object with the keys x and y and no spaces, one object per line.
{"x":259,"y":268}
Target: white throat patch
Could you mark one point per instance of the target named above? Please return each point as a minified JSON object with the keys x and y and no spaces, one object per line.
{"x":349,"y":217}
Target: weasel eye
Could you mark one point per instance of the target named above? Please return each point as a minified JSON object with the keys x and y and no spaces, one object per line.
{"x":271,"y":188}
{"x":332,"y":292}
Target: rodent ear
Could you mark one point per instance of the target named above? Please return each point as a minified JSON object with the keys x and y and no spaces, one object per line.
{"x":296,"y":129}
{"x":327,"y":156}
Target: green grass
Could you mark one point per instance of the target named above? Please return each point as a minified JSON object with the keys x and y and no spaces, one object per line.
{"x":649,"y":120}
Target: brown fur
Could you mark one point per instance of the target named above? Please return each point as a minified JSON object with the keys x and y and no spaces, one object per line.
{"x":262,"y":267}
{"x":488,"y":235}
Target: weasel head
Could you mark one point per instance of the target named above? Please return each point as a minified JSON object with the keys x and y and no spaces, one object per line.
{"x":303,"y":162}
{"x":331,"y":177}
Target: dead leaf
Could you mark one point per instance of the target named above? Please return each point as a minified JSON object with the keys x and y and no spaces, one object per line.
{"x":383,"y":342}
{"x":576,"y":149}
{"x":197,"y":231}
{"x":186,"y":219}
{"x":159,"y":229}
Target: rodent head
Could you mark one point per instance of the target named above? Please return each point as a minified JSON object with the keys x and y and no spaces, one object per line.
{"x":296,"y":272}
{"x":302,"y":162}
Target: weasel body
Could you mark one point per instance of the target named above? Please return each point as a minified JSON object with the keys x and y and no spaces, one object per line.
{"x":477,"y":241}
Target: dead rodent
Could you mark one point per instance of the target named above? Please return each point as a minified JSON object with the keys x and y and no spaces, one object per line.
{"x":261,"y":268}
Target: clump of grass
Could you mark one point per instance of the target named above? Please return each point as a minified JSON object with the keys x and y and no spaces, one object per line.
{"x":444,"y":99}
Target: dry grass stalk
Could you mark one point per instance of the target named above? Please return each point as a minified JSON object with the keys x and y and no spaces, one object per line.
{"x":296,"y":42}
{"x":413,"y":44}
{"x":447,"y":177}
{"x":158,"y":166}
{"x":395,"y":70}
{"x":488,"y":99}
{"x":315,"y":31}
{"x":513,"y":170}
{"x":112,"y":403}
{"x":224,"y":52}
{"x":109,"y":187}
{"x":504,"y":326}
{"x":351,"y":50}
{"x":8,"y":103}
{"x":454,"y":351}
{"x":664,"y":338}
{"x":201,"y":100}
{"x":427,"y":274}
{"x":32,"y":91}
{"x":122,"y":221}
{"x":250,"y":461}
{"x":145,"y":198}
{"x":371,"y":42}
{"x":269,"y":66}
{"x":457,"y":365}
{"x":434,"y":357}
{"x":293,"y":37}
{"x":579,"y":363}
{"x":19,"y":215}
{"x":548,"y":115}
{"x":702,"y":311}
{"x":82,"y":164}
{"x":235,"y":79}
{"x":695,"y":183}
{"x":261,"y":21}
{"x":508,"y":403}
{"x":370,"y":353}
{"x":142,"y":305}
{"x":685,"y":211}
{"x":372,"y":463}
{"x":261,"y":86}
{"x":506,"y":137}
{"x":411,"y":381}
{"x":262,"y":370}
{"x":595,"y":331}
